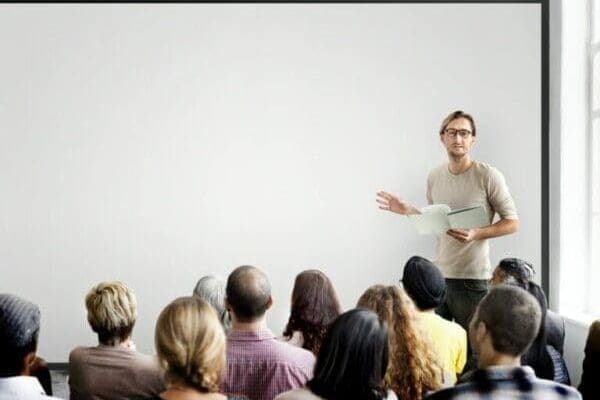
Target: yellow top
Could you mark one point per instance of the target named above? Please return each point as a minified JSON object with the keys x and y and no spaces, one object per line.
{"x":449,"y":342}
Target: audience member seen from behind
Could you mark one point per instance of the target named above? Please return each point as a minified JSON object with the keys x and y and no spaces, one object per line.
{"x":259,"y":366}
{"x":314,"y":306}
{"x":590,"y":384}
{"x":414,"y":369}
{"x":425,"y":285}
{"x":545,"y":353}
{"x":212,"y":290}
{"x":352,"y":361}
{"x":503,"y":326}
{"x":19,"y":332}
{"x":190,"y":343}
{"x":113,"y":369}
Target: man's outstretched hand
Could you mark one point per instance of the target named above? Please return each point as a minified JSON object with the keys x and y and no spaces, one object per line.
{"x":389,"y":202}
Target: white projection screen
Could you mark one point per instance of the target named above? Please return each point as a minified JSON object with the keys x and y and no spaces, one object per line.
{"x":155,"y":144}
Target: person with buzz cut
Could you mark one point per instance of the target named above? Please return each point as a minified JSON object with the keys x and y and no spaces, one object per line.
{"x":504,"y":325}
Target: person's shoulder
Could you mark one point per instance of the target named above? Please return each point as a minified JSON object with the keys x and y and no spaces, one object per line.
{"x":145,"y":362}
{"x":486,"y":170}
{"x":79,"y":353}
{"x":450,"y":326}
{"x":285,"y":353}
{"x":446,"y":393}
{"x":297,"y":394}
{"x":437,"y":171}
{"x":297,"y":352}
{"x":563,"y":391}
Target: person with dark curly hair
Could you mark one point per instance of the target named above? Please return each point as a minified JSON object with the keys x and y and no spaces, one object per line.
{"x":315,"y":305}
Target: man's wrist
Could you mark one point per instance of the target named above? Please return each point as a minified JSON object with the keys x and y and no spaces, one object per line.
{"x":477,"y":234}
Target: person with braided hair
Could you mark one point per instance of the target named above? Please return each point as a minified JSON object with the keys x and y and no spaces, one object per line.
{"x":190,"y":344}
{"x":413,"y":368}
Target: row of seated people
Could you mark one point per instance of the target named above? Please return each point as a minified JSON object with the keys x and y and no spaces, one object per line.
{"x":215,"y":344}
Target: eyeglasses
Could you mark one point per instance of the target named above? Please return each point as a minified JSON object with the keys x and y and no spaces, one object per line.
{"x":463,"y":133}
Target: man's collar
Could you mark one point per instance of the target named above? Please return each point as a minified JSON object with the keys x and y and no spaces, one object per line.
{"x":501,"y":372}
{"x":248,"y":336}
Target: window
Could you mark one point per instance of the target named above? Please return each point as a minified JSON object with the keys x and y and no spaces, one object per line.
{"x":575,"y":278}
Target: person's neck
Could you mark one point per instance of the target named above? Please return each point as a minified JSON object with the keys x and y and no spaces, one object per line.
{"x":185,"y":393}
{"x":127,"y":343}
{"x":495,"y":359}
{"x":253,"y":326}
{"x":458,"y":165}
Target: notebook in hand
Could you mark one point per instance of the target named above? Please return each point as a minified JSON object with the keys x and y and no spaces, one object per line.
{"x":438,"y":218}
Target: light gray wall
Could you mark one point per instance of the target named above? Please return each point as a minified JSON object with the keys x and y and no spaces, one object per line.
{"x":156,"y":143}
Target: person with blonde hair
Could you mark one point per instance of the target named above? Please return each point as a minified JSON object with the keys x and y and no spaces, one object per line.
{"x":413,"y":368}
{"x":113,"y":369}
{"x":190,"y":343}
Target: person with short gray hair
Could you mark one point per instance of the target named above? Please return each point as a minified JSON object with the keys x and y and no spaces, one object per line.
{"x":503,"y":326}
{"x":19,"y":331}
{"x":211,"y":289}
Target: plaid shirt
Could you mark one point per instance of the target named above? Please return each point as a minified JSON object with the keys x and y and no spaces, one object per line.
{"x":260,"y":367}
{"x":510,"y":383}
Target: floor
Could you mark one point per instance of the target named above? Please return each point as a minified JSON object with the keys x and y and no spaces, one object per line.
{"x":60,"y":388}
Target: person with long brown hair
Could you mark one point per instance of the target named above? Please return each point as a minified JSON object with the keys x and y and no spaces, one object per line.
{"x":315,"y":306}
{"x":413,"y":368}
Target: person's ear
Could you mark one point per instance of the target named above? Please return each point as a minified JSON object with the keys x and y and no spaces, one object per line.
{"x":227,"y":306}
{"x":481,"y":331}
{"x":270,"y":302}
{"x":28,"y":363}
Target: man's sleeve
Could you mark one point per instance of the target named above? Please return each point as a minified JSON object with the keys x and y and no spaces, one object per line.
{"x":499,"y":195}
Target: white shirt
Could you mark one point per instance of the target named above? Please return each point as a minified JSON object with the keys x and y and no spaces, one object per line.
{"x":22,"y":387}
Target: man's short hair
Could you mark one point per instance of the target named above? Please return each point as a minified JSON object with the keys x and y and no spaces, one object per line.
{"x":512,"y":316}
{"x":19,"y":330}
{"x":456,"y":115}
{"x":248,"y":293}
{"x":112,"y":311}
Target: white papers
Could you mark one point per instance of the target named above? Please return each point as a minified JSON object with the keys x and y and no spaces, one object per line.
{"x":438,"y":218}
